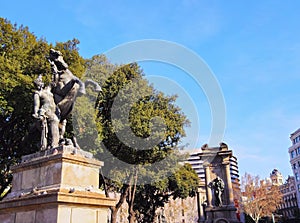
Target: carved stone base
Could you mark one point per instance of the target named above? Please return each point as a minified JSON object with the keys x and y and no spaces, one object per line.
{"x":224,"y":214}
{"x":56,"y":186}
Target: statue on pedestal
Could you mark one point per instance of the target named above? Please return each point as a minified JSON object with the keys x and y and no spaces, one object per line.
{"x":54,"y":103}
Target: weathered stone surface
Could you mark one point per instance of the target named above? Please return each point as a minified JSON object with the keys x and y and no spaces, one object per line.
{"x":25,"y":217}
{"x":62,"y":169}
{"x":56,"y":188}
{"x":80,"y":175}
{"x":64,"y":213}
{"x":17,"y":181}
{"x":47,"y":215}
{"x":86,"y":215}
{"x":60,"y":149}
{"x":7,"y":217}
{"x":30,"y":178}
{"x":102,"y":215}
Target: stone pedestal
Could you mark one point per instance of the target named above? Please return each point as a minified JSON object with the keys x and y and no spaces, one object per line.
{"x":224,"y":214}
{"x":56,"y":186}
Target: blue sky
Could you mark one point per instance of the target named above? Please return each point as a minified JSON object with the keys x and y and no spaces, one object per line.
{"x":252,"y":47}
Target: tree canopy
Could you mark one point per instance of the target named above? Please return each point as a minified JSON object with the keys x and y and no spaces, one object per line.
{"x":139,"y":127}
{"x":260,"y":197}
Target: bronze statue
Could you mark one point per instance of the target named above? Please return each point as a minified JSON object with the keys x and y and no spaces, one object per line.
{"x":46,"y":113}
{"x":54,"y":103}
{"x":66,"y":86}
{"x":218,"y":187}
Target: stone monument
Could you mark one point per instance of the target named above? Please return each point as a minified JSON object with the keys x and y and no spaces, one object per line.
{"x":219,"y":191}
{"x":60,"y":183}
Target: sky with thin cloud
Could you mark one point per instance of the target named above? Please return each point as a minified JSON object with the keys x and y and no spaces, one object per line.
{"x":251,"y":47}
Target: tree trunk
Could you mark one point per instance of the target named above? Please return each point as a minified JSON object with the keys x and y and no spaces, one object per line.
{"x":155,"y":219}
{"x":114,"y":210}
{"x":130,"y":201}
{"x":114,"y":215}
{"x":154,"y":214}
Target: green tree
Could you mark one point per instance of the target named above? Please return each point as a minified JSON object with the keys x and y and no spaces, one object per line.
{"x":22,"y":59}
{"x":71,"y":56}
{"x":138,"y":126}
{"x":182,"y":183}
{"x":98,"y":69}
{"x":128,"y":104}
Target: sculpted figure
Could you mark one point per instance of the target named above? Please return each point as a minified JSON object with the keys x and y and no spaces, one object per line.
{"x":53,"y":103}
{"x":65,"y":87}
{"x":218,"y":187}
{"x":46,"y":113}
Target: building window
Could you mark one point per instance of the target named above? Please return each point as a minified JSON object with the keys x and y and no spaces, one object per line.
{"x":297,"y":139}
{"x":293,"y":154}
{"x":298,"y":187}
{"x":297,"y":176}
{"x":294,"y":166}
{"x":298,"y":150}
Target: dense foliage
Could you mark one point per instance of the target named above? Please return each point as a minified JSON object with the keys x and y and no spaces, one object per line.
{"x":182,"y":183}
{"x":139,"y":127}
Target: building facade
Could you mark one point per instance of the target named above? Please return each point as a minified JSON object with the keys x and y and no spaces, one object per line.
{"x":294,"y":152}
{"x":289,"y":208}
{"x":276,"y":178}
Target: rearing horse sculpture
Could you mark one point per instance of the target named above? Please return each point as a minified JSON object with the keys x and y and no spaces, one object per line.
{"x":65,"y":87}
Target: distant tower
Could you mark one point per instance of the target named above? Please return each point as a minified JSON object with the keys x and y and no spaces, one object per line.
{"x":294,"y":152}
{"x":276,"y":177}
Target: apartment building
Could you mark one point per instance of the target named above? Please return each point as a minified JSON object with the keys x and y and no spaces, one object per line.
{"x":294,"y":151}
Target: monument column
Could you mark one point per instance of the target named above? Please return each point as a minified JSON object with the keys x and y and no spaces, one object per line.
{"x":208,"y":190}
{"x":201,"y":203}
{"x":229,"y":183}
